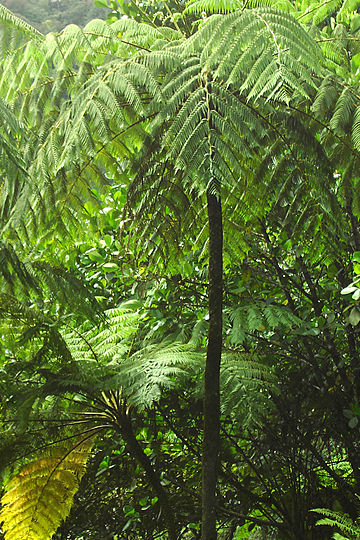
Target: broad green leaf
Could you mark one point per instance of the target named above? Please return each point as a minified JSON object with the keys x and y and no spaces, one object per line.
{"x":101,"y":3}
{"x":112,"y":267}
{"x":348,"y":290}
{"x":356,"y":255}
{"x":95,"y":256}
{"x":354,"y":317}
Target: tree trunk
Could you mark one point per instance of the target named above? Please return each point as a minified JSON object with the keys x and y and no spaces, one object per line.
{"x":211,"y":438}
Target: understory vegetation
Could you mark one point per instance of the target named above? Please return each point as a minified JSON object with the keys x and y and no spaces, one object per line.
{"x":180,"y":272}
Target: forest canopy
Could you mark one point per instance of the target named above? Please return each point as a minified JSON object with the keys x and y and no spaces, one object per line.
{"x":179,"y":272}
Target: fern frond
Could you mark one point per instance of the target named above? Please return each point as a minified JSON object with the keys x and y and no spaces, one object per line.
{"x":344,"y":111}
{"x":325,"y":98}
{"x":324,"y":10}
{"x":156,"y":367}
{"x":259,"y":317}
{"x":204,"y":138}
{"x":262,"y":47}
{"x":243,"y":383}
{"x":212,"y":6}
{"x":14,"y":31}
{"x":40,"y":495}
{"x":227,"y":6}
{"x":348,"y":6}
{"x":340,"y":521}
{"x":144,"y":34}
{"x":356,"y":128}
{"x":103,"y":344}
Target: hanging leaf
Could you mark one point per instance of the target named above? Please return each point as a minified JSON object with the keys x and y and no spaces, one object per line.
{"x":39,"y":497}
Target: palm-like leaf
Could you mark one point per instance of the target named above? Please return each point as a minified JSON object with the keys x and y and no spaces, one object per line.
{"x":40,"y":495}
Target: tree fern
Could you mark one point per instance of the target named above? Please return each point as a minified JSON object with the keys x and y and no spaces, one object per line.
{"x":40,"y":495}
{"x":26,"y":280}
{"x":105,"y":102}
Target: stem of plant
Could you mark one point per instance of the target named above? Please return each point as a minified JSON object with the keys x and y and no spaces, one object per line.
{"x":152,"y":475}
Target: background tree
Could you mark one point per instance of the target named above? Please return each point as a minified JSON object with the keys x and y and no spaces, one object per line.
{"x":54,"y":15}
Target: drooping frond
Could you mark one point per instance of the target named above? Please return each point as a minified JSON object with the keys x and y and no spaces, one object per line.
{"x":159,"y":224}
{"x":14,"y":31}
{"x":12,"y":269}
{"x":337,"y":107}
{"x":40,"y":495}
{"x":39,"y":280}
{"x":13,"y":163}
{"x":94,"y":128}
{"x":244,"y":383}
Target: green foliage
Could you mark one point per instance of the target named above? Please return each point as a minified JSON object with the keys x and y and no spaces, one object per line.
{"x":260,"y":317}
{"x":260,"y":38}
{"x":103,"y":379}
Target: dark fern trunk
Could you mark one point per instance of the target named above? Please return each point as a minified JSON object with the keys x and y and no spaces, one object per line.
{"x":152,"y":474}
{"x":211,"y":438}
